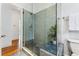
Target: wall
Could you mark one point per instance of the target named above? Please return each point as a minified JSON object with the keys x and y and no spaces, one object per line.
{"x":10,"y":24}
{"x":15,"y":23}
{"x":68,"y":9}
{"x":43,"y":21}
{"x":6,"y":25}
{"x":59,"y":23}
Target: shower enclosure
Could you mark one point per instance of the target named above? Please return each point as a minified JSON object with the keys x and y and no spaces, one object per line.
{"x":40,"y":31}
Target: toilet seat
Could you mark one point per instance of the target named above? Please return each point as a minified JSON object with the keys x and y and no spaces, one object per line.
{"x":74,"y":46}
{"x":73,"y":40}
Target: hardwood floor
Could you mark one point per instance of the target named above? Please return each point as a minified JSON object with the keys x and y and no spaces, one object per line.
{"x":10,"y":50}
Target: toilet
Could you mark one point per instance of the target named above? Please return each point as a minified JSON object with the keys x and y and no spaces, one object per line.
{"x":74,"y":46}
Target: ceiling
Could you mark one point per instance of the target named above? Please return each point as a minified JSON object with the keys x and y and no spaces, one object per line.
{"x":40,"y":6}
{"x":34,"y":7}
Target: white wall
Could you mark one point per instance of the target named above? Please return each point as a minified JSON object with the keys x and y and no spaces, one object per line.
{"x":6,"y":25}
{"x":67,"y":10}
{"x":64,"y":10}
{"x":15,"y":23}
{"x":59,"y":23}
{"x":10,"y":24}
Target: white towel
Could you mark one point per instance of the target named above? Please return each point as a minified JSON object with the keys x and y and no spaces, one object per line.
{"x":74,"y":22}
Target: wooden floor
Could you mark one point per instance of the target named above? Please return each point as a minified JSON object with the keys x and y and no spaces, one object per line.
{"x":10,"y":50}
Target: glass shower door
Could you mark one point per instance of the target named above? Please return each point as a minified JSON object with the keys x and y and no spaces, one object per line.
{"x":28,"y":30}
{"x":46,"y":30}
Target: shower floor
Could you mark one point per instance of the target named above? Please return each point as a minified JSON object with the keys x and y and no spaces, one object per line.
{"x":51,"y":48}
{"x":32,"y":47}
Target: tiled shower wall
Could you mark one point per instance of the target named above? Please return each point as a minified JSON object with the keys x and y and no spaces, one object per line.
{"x":43,"y":21}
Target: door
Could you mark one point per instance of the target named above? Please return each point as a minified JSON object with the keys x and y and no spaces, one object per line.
{"x":28,"y":30}
{"x":9,"y":29}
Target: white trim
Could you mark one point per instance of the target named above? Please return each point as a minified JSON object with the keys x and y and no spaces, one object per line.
{"x":44,"y":51}
{"x":28,"y":51}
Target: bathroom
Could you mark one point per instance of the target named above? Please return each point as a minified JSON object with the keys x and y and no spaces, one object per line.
{"x":42,"y":29}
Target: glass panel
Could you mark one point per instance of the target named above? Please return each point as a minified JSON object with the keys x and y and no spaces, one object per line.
{"x":45,"y":31}
{"x":36,"y":48}
{"x":28,"y":30}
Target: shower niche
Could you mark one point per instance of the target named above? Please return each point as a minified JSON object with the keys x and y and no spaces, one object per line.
{"x":40,"y":30}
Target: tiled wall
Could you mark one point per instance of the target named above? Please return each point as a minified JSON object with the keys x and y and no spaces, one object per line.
{"x":43,"y":21}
